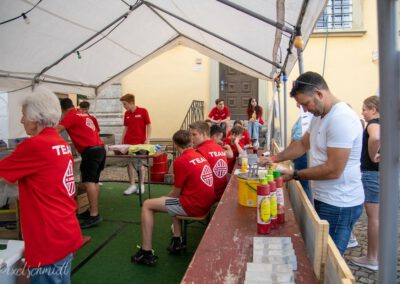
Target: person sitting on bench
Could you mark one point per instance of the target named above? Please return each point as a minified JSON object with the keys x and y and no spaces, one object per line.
{"x":233,"y":140}
{"x":192,"y":195}
{"x":216,"y":134}
{"x":214,"y":153}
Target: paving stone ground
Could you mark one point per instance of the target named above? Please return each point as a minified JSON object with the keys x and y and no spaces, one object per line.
{"x":363,"y":275}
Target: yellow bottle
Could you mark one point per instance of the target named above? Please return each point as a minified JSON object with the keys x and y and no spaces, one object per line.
{"x":245,"y":162}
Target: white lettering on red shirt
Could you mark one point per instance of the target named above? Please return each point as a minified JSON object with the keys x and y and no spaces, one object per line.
{"x":62,"y":149}
{"x":198,"y":161}
{"x":217,"y":154}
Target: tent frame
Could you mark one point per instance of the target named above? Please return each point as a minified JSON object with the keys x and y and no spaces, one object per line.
{"x":389,"y":75}
{"x":41,"y":76}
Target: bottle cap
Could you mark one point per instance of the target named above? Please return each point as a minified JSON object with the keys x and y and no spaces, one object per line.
{"x":277,"y":174}
{"x":270,"y":178}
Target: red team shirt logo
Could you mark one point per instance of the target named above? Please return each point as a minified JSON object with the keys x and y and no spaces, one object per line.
{"x":90,"y":124}
{"x":220,"y":168}
{"x":206,"y":176}
{"x":68,"y":179}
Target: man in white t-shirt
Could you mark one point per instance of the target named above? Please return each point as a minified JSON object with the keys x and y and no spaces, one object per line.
{"x":334,"y":141}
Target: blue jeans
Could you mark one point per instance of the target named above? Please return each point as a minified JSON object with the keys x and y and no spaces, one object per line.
{"x":341,"y":221}
{"x":299,"y":164}
{"x":254,"y":128}
{"x":223,"y":125}
{"x":56,"y":273}
{"x":370,"y":180}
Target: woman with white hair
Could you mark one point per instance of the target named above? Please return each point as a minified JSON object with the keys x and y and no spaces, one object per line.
{"x":43,"y":167}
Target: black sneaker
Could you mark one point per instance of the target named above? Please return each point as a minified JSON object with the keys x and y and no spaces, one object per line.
{"x":176,"y":246}
{"x":145,"y":257}
{"x":85,"y":215}
{"x":91,"y":222}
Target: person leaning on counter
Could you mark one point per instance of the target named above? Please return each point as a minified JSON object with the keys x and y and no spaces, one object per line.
{"x":334,"y":141}
{"x":43,"y":167}
{"x":86,"y":139}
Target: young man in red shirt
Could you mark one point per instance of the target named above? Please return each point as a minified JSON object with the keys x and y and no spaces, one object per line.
{"x":192,"y":195}
{"x":220,"y":115}
{"x":43,"y":167}
{"x":234,"y":142}
{"x":216,"y":134}
{"x":86,"y":139}
{"x":137,"y":130}
{"x":84,"y":108}
{"x":214,"y":153}
{"x":245,"y":140}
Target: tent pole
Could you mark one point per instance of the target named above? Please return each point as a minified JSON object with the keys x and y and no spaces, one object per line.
{"x":278,"y":87}
{"x":125,"y":15}
{"x":285,"y":109}
{"x":149,"y":4}
{"x":300,"y":60}
{"x":278,"y":25}
{"x":389,"y":88}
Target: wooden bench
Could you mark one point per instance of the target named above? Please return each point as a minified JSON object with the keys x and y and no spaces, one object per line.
{"x":186,"y":221}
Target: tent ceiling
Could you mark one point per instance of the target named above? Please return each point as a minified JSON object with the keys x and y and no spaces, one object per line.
{"x":239,"y":33}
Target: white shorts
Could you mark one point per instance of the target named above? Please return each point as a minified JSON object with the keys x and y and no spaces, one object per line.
{"x":174,"y":207}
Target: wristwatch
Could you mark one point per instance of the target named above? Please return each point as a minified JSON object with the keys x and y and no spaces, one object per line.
{"x":296,"y":175}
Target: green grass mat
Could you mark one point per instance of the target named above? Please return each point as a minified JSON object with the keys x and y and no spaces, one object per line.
{"x":115,"y":239}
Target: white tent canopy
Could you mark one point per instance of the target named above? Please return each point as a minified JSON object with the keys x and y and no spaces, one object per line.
{"x":113,"y":37}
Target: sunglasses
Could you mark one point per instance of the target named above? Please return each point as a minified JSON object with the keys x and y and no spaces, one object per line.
{"x":300,"y":85}
{"x":296,"y":84}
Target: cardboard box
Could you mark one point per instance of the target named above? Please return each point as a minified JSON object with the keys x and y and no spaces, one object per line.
{"x":81,"y":198}
{"x":9,"y":223}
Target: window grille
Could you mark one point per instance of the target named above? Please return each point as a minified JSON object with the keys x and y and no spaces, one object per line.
{"x":338,"y":14}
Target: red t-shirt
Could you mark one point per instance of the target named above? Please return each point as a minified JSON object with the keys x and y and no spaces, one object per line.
{"x":136,"y":126}
{"x":245,"y":140}
{"x":216,"y":157}
{"x":43,"y":167}
{"x":217,"y":114}
{"x":232,"y":161}
{"x":194,"y":177}
{"x":81,"y":129}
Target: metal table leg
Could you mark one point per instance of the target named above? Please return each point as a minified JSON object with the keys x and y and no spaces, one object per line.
{"x":148,"y":176}
{"x":139,"y":170}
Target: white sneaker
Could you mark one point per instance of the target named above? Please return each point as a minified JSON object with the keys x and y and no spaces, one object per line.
{"x":131,"y":189}
{"x":363,"y":261}
{"x":142,"y":189}
{"x":352,"y":242}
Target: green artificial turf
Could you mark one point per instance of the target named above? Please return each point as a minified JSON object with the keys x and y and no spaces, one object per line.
{"x":106,"y":259}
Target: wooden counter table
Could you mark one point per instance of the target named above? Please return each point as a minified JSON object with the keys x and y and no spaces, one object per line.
{"x":227,"y":244}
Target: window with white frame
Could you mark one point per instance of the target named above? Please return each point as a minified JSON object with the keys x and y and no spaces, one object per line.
{"x":338,"y":15}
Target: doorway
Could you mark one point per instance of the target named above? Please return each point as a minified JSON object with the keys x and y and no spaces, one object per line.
{"x":236,"y":88}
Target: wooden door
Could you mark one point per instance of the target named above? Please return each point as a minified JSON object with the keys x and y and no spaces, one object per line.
{"x":236,"y":88}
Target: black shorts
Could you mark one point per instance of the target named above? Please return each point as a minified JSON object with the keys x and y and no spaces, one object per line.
{"x":93,"y":161}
